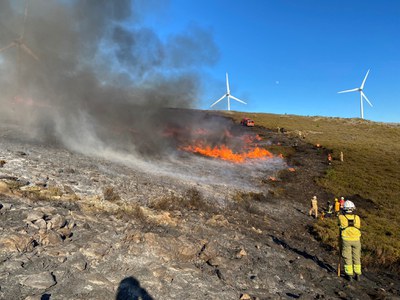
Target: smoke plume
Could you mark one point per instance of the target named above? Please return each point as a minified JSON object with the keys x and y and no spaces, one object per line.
{"x":88,"y":73}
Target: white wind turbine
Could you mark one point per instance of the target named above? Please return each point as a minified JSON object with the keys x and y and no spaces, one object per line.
{"x":362,"y":95}
{"x":228,"y":95}
{"x":20,"y":44}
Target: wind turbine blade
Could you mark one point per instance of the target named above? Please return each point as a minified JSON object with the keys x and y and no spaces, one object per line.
{"x":29,"y":51}
{"x":218,"y":100}
{"x":237,"y":99}
{"x":365,"y":97}
{"x":227,"y":84}
{"x":25,"y":17}
{"x":365,"y":78}
{"x":6,"y":47}
{"x":347,"y":91}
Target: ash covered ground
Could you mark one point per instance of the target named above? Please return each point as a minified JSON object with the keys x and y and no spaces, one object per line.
{"x":133,"y":220}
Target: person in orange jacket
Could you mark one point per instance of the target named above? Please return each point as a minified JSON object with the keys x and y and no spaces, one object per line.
{"x":337,"y":206}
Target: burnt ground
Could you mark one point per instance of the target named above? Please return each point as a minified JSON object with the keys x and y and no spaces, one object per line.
{"x":75,"y":226}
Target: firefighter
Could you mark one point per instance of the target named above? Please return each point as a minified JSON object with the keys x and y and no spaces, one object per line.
{"x":337,"y":206}
{"x":329,"y":210}
{"x":329,"y":159}
{"x":341,"y":202}
{"x":349,"y":224}
{"x":314,"y":207}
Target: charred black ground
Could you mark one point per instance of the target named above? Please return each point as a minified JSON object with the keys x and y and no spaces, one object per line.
{"x":176,"y":237}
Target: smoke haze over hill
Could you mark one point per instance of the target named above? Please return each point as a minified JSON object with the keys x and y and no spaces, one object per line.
{"x":95,"y":62}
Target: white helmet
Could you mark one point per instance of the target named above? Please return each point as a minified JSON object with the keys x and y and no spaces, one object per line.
{"x":349,"y":206}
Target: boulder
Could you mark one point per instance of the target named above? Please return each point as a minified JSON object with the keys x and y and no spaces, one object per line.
{"x":41,"y":280}
{"x":18,"y":242}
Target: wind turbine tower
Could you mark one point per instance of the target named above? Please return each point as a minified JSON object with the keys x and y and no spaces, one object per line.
{"x":362,"y":95}
{"x":228,"y":95}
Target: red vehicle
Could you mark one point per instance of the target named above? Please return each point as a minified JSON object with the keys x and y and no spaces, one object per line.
{"x":247,"y":122}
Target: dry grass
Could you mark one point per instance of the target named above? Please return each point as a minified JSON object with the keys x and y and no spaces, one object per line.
{"x":130,"y":212}
{"x":42,"y":194}
{"x":110,"y":194}
{"x":371,"y":169}
{"x":191,"y":200}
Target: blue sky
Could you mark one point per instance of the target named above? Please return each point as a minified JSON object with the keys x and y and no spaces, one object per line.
{"x":293,"y":56}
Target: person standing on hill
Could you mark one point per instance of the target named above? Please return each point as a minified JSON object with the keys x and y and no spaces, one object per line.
{"x":350,"y":234}
{"x":337,"y":206}
{"x":329,"y":159}
{"x":314,"y":207}
{"x":341,"y":202}
{"x":329,"y":209}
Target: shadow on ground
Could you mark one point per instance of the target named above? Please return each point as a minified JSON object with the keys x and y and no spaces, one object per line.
{"x":130,"y":289}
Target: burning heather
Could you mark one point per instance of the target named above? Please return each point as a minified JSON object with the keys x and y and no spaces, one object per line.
{"x":224,"y":153}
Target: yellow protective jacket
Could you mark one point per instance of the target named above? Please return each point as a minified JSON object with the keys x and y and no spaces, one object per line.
{"x":337,"y":206}
{"x":350,"y":227}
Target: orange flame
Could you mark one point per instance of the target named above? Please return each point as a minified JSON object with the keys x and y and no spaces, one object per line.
{"x":224,"y":153}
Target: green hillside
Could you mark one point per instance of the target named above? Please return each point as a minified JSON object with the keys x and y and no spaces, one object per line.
{"x":371,"y":169}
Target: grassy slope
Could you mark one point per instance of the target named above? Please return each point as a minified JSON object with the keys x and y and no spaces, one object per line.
{"x":371,"y":169}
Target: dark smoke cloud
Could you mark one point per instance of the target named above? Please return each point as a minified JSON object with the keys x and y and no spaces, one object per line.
{"x":100,"y":71}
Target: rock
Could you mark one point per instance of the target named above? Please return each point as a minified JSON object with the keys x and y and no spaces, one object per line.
{"x":12,"y":265}
{"x":78,"y":262}
{"x":4,"y":188}
{"x":71,"y":224}
{"x":41,"y":224}
{"x":42,"y":280}
{"x":18,"y":242}
{"x":208,"y":252}
{"x":48,"y":210}
{"x":241,"y":253}
{"x":65,"y":232}
{"x":62,"y":259}
{"x":56,"y":222}
{"x":245,"y":297}
{"x":98,"y":279}
{"x":50,"y":238}
{"x":7,"y":206}
{"x":95,"y":250}
{"x":68,"y":189}
{"x":34,"y":215}
{"x":218,"y":261}
{"x":188,"y":251}
{"x":34,"y":297}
